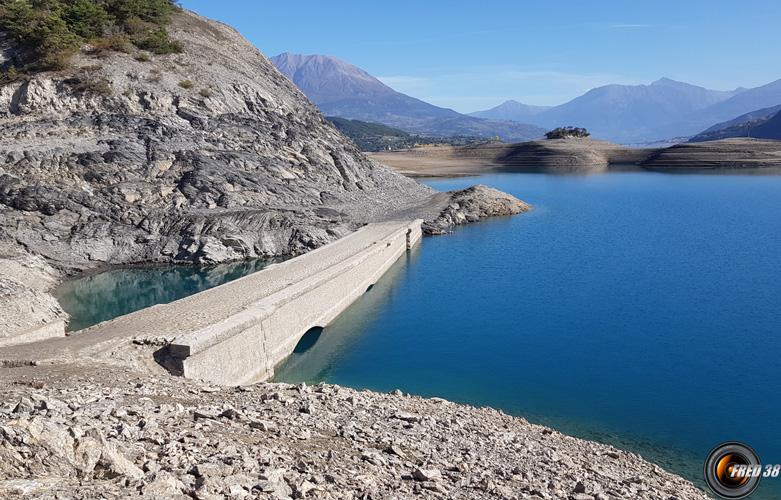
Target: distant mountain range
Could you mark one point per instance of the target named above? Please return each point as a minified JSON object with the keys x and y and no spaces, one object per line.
{"x":643,"y":113}
{"x":763,"y":123}
{"x":628,"y":114}
{"x":512,"y":110}
{"x":342,"y":90}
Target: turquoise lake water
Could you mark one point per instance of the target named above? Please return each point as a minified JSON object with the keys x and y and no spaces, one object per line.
{"x":640,"y":309}
{"x":100,"y":297}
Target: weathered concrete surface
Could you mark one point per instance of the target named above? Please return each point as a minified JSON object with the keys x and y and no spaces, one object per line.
{"x":237,"y":332}
{"x":245,"y":347}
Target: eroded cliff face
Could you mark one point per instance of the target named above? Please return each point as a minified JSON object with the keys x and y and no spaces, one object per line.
{"x":204,"y":156}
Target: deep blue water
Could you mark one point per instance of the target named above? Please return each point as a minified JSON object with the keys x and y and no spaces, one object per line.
{"x":640,"y":309}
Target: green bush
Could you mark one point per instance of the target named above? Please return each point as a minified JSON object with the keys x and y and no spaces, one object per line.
{"x":565,"y":132}
{"x":51,"y":31}
{"x":86,"y":19}
{"x":186,"y":84}
{"x":157,"y":41}
{"x":9,"y":75}
{"x":85,"y":84}
{"x":153,"y":11}
{"x":111,"y":43}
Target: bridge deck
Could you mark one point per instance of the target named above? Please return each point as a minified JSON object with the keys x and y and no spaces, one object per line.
{"x":197,"y":313}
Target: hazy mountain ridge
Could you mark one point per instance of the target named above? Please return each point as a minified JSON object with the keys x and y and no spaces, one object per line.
{"x":512,"y":110}
{"x":343,"y":90}
{"x":627,"y":113}
{"x":758,"y":124}
{"x":644,"y":113}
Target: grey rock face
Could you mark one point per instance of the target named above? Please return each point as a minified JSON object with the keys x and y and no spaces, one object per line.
{"x":206,"y":156}
{"x":473,"y":204}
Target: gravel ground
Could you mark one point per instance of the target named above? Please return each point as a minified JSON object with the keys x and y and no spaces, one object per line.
{"x":71,"y":431}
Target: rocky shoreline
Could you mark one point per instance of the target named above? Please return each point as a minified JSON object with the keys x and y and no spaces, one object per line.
{"x":98,"y":432}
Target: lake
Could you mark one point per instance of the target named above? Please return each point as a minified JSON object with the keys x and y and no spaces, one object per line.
{"x":635,"y":308}
{"x":639,"y":309}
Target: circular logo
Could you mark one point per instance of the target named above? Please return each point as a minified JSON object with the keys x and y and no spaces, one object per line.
{"x":733,"y":470}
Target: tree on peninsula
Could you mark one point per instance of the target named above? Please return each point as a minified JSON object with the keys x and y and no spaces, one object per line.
{"x":567,"y":132}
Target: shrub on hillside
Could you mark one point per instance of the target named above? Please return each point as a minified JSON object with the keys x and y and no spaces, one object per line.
{"x":565,"y":132}
{"x":49,"y":32}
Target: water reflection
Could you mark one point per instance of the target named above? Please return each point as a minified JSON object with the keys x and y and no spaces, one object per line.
{"x":100,"y":297}
{"x":318,"y":352}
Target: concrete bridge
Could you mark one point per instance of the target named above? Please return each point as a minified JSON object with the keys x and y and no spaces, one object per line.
{"x":238,"y":332}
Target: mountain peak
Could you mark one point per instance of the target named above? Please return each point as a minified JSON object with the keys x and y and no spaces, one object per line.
{"x":342,"y":90}
{"x":327,"y":78}
{"x":669,"y":82}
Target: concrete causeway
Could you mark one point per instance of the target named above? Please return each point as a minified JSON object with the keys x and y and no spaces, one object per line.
{"x":238,"y":332}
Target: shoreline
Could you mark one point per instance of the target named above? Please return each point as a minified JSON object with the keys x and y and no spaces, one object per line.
{"x":583,"y":156}
{"x":291,"y":440}
{"x":564,"y":457}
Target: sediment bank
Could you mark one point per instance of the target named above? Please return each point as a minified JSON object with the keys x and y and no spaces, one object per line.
{"x":579,"y":156}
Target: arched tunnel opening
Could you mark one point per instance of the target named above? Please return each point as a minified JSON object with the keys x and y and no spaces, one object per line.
{"x":308,"y":340}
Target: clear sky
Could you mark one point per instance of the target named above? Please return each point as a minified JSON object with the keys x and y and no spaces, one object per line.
{"x":471,"y":55}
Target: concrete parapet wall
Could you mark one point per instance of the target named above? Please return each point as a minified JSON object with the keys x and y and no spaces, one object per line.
{"x":246,"y":346}
{"x":49,"y":330}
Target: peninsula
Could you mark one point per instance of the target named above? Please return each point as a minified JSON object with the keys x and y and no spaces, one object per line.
{"x":580,"y":155}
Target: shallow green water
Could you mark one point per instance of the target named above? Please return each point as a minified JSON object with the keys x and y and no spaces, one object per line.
{"x":100,"y":297}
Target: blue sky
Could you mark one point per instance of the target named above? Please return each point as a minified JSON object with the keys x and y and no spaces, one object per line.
{"x":476,"y":54}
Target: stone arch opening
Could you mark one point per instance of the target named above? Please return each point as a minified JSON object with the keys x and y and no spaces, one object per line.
{"x":308,"y":340}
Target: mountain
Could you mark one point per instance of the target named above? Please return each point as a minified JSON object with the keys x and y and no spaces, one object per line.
{"x":746,"y":125}
{"x":771,"y":129}
{"x":748,"y":100}
{"x":661,"y":110}
{"x":512,"y":110}
{"x":372,"y":136}
{"x":636,"y":113}
{"x":343,"y":90}
{"x":633,"y":113}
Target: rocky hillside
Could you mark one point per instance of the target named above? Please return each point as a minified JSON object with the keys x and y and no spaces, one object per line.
{"x":202,"y":156}
{"x":747,"y":125}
